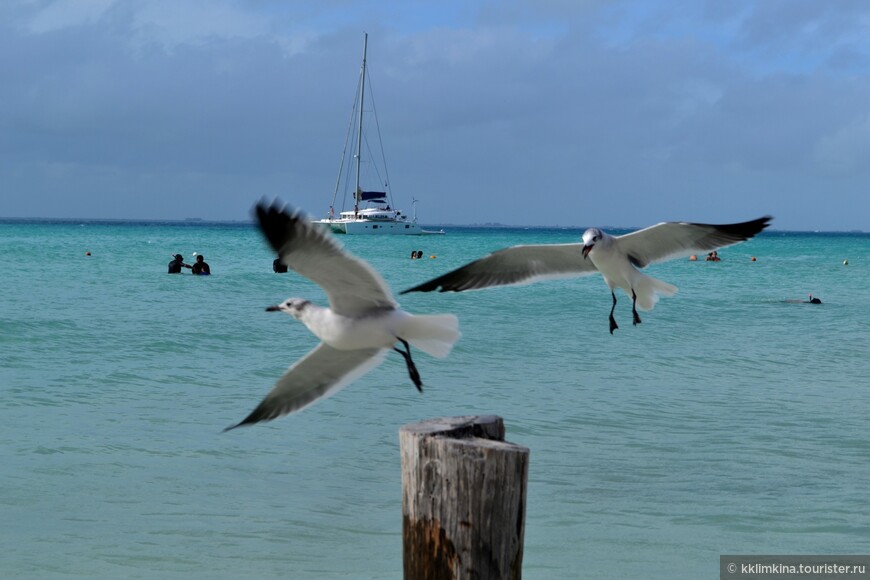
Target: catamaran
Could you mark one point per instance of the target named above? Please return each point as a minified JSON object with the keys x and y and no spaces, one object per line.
{"x":372,"y":212}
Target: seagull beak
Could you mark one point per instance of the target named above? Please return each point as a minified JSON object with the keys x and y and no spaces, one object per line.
{"x":273,"y":309}
{"x":586,"y":250}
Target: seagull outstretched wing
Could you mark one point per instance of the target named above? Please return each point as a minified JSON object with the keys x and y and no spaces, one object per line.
{"x":320,"y":373}
{"x":516,"y":265}
{"x":352,"y":286}
{"x":670,"y":240}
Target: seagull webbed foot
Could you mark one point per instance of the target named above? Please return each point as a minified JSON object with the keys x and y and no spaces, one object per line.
{"x":412,"y":368}
{"x":634,"y":313}
{"x":613,"y":325}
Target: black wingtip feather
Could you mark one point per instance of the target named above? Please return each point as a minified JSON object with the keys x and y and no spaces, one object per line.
{"x":452,"y":281}
{"x":442,"y":284}
{"x":745,"y":230}
{"x":261,"y":413}
{"x":249,"y":420}
{"x":275,"y":221}
{"x":424,"y":287}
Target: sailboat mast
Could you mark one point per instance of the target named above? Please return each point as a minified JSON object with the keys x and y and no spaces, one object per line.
{"x":362,"y":93}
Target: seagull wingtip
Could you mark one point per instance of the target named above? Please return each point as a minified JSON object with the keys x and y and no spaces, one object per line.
{"x":425,"y":287}
{"x":231,"y":427}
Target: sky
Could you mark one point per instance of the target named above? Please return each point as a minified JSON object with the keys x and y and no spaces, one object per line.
{"x":525,"y":112}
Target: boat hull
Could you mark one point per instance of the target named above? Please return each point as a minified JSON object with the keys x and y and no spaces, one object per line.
{"x":372,"y":228}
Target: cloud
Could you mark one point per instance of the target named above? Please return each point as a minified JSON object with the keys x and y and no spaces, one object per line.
{"x":661,"y":105}
{"x":169,"y":23}
{"x":59,"y":14}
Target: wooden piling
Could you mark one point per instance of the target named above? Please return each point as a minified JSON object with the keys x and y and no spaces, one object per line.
{"x":463,"y":500}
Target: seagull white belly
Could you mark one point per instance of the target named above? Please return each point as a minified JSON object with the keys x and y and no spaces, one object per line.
{"x":377,"y":330}
{"x":617,"y":272}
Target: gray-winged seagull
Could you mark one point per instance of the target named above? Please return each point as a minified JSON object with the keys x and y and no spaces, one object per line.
{"x":361,"y":324}
{"x":616,"y":257}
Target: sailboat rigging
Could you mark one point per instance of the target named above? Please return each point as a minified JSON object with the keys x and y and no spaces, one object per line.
{"x":373,"y":212}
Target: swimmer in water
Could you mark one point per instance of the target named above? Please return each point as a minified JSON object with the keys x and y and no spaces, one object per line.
{"x":177,"y":264}
{"x":810,"y":301}
{"x":278,"y":266}
{"x":200,"y":268}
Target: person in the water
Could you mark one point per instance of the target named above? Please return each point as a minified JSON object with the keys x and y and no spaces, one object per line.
{"x":279,"y":267}
{"x":177,"y":264}
{"x":812,"y":300}
{"x":200,"y":268}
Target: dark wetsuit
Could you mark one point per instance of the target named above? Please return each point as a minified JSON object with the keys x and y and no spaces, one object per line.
{"x":175,"y":266}
{"x":201,"y":269}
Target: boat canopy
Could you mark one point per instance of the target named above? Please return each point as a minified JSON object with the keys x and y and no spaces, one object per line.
{"x":372,"y":196}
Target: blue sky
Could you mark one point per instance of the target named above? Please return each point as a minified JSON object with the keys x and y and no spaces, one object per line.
{"x":544,"y":112}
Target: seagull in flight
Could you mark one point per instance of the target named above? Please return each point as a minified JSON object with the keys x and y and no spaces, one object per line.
{"x":360,"y":326}
{"x":616,"y":257}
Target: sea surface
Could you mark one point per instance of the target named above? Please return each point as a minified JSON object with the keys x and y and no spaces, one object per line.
{"x":729,"y":421}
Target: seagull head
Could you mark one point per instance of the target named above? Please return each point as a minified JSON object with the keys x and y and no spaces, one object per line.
{"x":291,"y":306}
{"x":591,"y":237}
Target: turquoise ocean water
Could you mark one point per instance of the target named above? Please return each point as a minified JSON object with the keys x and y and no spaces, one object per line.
{"x":729,"y":421}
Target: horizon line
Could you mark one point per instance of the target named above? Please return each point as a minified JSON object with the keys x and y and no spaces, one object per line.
{"x":202,"y":221}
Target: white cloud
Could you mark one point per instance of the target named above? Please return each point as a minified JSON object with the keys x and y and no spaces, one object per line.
{"x":59,"y":14}
{"x":657,"y":102}
{"x":171,"y":23}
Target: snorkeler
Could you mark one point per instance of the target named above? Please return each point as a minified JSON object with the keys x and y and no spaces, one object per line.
{"x":177,"y":264}
{"x":278,"y":266}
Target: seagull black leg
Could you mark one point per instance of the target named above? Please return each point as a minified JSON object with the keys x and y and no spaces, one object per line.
{"x":412,"y":368}
{"x":634,"y":308}
{"x":613,"y":325}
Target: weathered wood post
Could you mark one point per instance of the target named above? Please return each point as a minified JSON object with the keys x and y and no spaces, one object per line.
{"x":463,"y":499}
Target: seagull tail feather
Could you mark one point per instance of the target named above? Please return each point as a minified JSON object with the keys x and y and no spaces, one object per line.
{"x":648,"y":290}
{"x":434,"y":334}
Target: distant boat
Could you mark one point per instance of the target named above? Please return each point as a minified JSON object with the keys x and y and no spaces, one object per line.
{"x":372,"y":213}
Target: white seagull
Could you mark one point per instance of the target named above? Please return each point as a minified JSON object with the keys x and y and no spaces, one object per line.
{"x":362,"y":322}
{"x":616,"y":257}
